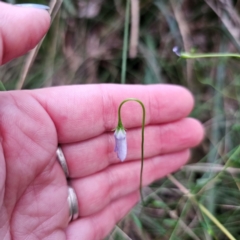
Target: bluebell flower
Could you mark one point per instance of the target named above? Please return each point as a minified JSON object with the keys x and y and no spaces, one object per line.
{"x":120,"y":143}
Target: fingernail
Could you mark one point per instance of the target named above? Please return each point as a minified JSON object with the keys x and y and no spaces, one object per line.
{"x":33,"y":5}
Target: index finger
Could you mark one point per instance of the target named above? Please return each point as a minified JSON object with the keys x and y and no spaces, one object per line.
{"x":85,"y":111}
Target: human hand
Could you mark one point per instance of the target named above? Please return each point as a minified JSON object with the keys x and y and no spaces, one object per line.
{"x":33,"y":188}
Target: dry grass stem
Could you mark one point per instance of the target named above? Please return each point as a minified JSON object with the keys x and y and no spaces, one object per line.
{"x":185,"y":32}
{"x":178,"y":184}
{"x":118,"y":230}
{"x":228,"y":15}
{"x":208,"y":167}
{"x":202,"y":208}
{"x":133,"y":48}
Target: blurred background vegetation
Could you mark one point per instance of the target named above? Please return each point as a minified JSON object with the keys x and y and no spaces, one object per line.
{"x":84,"y":46}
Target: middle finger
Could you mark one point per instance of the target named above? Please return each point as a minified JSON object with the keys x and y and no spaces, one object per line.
{"x":87,"y":157}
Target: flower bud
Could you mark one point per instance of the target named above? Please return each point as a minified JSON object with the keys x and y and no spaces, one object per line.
{"x":120,"y":143}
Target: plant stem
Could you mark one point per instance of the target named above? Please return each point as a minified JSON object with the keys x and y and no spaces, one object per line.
{"x":142,"y":143}
{"x":2,"y":88}
{"x":216,"y":222}
{"x":125,"y":43}
{"x":208,"y":55}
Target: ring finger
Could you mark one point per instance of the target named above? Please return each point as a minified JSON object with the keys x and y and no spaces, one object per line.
{"x":98,"y":190}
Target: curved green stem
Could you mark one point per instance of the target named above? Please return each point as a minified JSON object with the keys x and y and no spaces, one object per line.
{"x":207,"y":55}
{"x":142,"y":143}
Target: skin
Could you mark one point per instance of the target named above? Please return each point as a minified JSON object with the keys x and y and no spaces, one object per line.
{"x":33,"y":188}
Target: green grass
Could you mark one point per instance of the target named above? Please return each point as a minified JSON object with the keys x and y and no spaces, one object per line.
{"x":89,"y":50}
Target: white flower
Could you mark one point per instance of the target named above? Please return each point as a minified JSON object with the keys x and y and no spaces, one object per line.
{"x":120,"y":143}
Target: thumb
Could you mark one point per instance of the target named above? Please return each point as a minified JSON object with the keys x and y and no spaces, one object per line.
{"x":20,"y":30}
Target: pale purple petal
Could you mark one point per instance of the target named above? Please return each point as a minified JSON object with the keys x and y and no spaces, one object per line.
{"x":120,"y":144}
{"x":177,"y":51}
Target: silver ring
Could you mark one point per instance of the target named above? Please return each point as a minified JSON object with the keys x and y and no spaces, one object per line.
{"x":73,"y":204}
{"x":62,"y":161}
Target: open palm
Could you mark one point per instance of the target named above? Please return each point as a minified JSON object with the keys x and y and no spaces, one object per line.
{"x":33,"y":188}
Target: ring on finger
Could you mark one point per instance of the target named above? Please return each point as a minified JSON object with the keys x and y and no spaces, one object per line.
{"x":73,"y":204}
{"x":62,"y":160}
